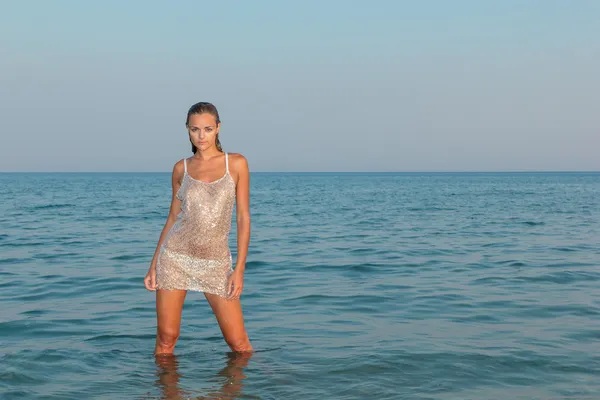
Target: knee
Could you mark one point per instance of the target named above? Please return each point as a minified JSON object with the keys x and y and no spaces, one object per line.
{"x":239,"y":344}
{"x":167,"y":337}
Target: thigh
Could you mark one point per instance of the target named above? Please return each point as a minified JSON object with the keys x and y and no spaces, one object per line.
{"x":169,"y":304}
{"x":229,"y":316}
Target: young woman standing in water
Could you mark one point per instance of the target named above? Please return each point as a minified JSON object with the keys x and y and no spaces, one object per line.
{"x":193,"y":250}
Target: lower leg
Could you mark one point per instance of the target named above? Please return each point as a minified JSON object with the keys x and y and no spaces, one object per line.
{"x":169,"y":304}
{"x":240,"y":344}
{"x":165,"y":341}
{"x":231,"y":321}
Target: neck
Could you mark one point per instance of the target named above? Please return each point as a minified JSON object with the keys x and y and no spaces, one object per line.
{"x":207,"y":154}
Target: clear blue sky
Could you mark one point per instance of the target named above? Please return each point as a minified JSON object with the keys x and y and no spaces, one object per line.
{"x":302,"y":85}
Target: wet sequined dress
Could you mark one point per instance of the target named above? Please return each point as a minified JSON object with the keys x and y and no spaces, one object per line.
{"x":195,"y":254}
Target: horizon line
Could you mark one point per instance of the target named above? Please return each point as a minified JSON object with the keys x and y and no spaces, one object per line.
{"x":324,"y":172}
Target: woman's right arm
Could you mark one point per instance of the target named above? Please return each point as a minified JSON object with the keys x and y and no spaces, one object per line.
{"x":176,"y":179}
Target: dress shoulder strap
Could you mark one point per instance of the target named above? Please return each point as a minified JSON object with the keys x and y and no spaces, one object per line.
{"x":226,"y":163}
{"x":184,"y":165}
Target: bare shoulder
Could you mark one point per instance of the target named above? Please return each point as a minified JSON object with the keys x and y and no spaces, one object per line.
{"x":178,"y":167}
{"x":238,"y":162}
{"x":178,"y":170}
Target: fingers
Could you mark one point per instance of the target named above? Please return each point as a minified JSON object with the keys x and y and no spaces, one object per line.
{"x":150,"y":282}
{"x":237,"y":292}
{"x":234,"y":291}
{"x":230,"y":286}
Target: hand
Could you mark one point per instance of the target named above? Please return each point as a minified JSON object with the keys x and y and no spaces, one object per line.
{"x":235,"y":284}
{"x":150,"y":279}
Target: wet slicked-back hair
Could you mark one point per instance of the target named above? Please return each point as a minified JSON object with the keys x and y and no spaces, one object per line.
{"x":204,"y":108}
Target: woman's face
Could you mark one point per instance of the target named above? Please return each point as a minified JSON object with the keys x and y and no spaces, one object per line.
{"x":203,"y":130}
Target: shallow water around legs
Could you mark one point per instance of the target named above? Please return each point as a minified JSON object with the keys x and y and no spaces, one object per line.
{"x":357,"y":286}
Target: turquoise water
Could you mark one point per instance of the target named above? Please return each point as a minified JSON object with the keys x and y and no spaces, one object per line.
{"x":358,"y":286}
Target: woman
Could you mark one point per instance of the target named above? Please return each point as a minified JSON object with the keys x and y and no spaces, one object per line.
{"x":193,"y":251}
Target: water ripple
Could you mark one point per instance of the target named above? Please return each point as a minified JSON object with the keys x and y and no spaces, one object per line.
{"x":387,"y":286}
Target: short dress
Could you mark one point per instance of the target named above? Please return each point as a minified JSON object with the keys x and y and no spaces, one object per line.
{"x":195,"y":254}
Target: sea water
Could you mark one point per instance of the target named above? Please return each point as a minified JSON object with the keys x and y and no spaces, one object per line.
{"x":357,"y":286}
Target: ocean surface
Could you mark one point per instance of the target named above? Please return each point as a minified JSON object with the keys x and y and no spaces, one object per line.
{"x":357,"y":286}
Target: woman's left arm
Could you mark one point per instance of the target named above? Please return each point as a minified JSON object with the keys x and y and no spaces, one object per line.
{"x":236,"y":280}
